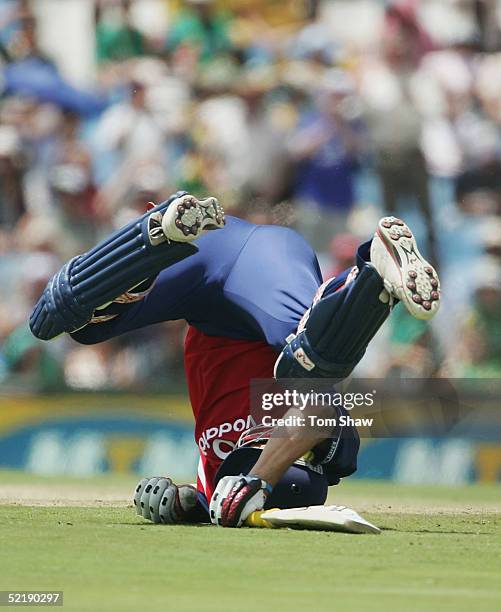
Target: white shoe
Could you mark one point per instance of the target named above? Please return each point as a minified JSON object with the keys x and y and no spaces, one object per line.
{"x":407,"y":275}
{"x":188,"y":218}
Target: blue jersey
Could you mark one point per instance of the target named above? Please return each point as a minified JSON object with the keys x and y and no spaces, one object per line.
{"x":246,"y":282}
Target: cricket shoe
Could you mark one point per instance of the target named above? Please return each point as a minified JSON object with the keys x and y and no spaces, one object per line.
{"x":187,"y":218}
{"x":406,"y":274}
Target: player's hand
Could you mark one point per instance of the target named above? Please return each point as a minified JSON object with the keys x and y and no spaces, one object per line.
{"x":236,"y":497}
{"x":159,"y":500}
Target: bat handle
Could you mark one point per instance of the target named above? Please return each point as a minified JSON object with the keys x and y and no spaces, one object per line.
{"x":254,"y":520}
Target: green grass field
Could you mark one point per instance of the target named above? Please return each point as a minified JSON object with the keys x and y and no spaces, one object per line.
{"x":439,"y":550}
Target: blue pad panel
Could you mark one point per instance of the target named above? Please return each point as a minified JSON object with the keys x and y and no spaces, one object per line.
{"x":113,"y":267}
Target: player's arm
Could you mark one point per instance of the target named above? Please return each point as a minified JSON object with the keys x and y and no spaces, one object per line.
{"x":281,"y":452}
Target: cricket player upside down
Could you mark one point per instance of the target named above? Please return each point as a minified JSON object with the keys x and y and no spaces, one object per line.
{"x":257,"y":307}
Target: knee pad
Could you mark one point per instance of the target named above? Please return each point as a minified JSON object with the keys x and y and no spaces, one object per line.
{"x":334,"y":336}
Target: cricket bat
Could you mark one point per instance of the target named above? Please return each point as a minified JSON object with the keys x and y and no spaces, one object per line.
{"x":321,"y":518}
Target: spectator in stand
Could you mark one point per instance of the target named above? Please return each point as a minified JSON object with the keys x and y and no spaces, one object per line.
{"x":131,"y":135}
{"x":480,"y":341}
{"x":478,"y":186}
{"x":390,"y":86}
{"x":24,"y":44}
{"x":116,"y":38}
{"x":13,"y":164}
{"x":327,"y":147}
{"x":202,"y":26}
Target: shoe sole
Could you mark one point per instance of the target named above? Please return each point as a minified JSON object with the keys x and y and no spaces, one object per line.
{"x":420,"y":286}
{"x":189,"y":218}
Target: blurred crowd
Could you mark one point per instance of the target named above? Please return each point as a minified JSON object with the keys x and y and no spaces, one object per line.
{"x":320,"y":115}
